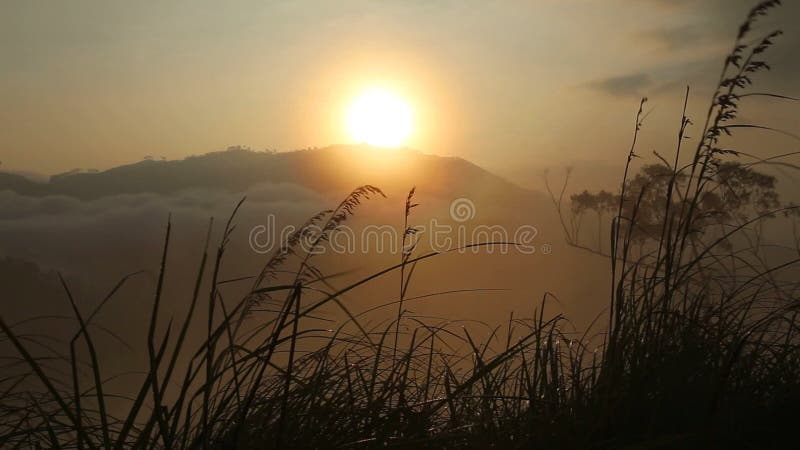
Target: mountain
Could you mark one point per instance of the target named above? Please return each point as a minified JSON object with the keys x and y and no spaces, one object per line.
{"x":332,"y":169}
{"x":95,"y":227}
{"x":22,"y":185}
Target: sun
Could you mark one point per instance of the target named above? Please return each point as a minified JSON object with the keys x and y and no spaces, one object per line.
{"x":380,"y":118}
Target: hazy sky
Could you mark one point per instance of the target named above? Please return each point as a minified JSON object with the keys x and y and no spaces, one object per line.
{"x":511,"y":85}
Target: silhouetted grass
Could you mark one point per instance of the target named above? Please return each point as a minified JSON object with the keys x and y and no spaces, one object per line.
{"x":700,"y":348}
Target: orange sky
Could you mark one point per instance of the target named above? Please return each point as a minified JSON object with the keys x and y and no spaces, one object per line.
{"x":513,"y":86}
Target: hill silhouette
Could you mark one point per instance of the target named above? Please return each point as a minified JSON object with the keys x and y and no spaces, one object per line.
{"x":22,"y":185}
{"x":333,"y":169}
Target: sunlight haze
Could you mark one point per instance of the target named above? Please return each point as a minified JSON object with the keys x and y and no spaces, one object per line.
{"x":379,"y":117}
{"x":428,"y":225}
{"x":494,"y":82}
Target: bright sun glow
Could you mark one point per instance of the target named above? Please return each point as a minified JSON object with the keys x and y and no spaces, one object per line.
{"x":380,"y":118}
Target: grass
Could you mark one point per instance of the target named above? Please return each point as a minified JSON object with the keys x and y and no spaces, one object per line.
{"x":699,"y":349}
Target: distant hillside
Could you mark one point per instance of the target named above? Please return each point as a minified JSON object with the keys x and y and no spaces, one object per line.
{"x":22,"y":185}
{"x":332,"y":169}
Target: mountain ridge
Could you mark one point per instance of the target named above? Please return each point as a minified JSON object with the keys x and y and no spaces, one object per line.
{"x":330,"y":169}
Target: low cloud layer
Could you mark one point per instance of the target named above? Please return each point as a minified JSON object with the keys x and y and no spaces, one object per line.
{"x":123,"y":233}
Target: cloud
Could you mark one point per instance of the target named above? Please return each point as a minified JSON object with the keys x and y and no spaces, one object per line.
{"x":21,"y":207}
{"x":694,"y":46}
{"x":699,"y":34}
{"x":624,"y":85}
{"x":680,"y":37}
{"x":114,"y":235}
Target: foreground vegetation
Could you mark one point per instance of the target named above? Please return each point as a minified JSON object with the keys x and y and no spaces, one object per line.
{"x":699,"y":347}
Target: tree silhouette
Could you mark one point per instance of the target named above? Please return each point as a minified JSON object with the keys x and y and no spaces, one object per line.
{"x":737,"y":191}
